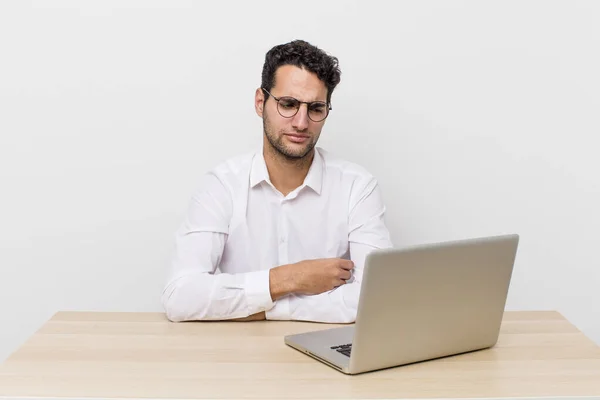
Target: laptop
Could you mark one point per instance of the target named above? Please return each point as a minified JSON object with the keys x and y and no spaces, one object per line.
{"x":420,"y":303}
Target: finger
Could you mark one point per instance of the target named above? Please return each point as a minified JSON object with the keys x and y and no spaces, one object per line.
{"x":345,"y":275}
{"x":347,"y":264}
{"x":339,"y":282}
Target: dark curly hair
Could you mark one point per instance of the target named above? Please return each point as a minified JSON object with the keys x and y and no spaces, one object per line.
{"x":303,"y":55}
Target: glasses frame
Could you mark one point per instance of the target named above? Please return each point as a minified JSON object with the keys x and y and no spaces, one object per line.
{"x":308,"y":104}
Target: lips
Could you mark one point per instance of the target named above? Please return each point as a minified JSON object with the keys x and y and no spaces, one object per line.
{"x":295,"y":135}
{"x":296,"y":138}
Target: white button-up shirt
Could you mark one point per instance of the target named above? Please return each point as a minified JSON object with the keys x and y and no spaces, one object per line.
{"x":239,"y":226}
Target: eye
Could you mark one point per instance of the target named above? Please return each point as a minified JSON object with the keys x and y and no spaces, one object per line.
{"x":288,"y":103}
{"x":318,"y":108}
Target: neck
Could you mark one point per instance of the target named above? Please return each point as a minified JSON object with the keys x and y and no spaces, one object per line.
{"x":287,"y":174}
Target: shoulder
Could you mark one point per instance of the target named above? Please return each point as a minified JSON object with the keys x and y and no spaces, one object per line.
{"x":232,"y":171}
{"x":234,"y":168}
{"x":223,"y":180}
{"x":351,"y":180}
{"x":347,"y":171}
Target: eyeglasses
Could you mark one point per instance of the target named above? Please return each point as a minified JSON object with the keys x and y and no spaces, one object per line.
{"x":289,"y":106}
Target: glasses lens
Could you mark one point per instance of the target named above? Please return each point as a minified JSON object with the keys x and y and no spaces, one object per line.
{"x":288,"y":106}
{"x":318,"y":111}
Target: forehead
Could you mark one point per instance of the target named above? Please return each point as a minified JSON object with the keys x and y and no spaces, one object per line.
{"x":299,"y":83}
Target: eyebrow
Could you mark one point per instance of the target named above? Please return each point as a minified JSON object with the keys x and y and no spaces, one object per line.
{"x":307,"y":101}
{"x":288,"y":95}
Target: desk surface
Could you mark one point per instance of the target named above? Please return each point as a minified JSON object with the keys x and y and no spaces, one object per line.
{"x":142,"y":355}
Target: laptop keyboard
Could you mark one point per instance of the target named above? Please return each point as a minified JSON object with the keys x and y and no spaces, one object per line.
{"x":345,"y":349}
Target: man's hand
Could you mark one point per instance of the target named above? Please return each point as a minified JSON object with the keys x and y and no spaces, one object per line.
{"x":261,"y":316}
{"x":309,"y":277}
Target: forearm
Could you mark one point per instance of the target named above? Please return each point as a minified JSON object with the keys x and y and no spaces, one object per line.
{"x":336,"y":306}
{"x":281,"y":282}
{"x":333,"y":306}
{"x":204,"y":296}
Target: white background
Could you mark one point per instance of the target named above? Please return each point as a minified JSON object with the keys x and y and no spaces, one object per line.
{"x":478,"y":118}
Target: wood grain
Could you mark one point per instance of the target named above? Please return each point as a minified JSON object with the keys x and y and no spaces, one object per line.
{"x":142,"y":355}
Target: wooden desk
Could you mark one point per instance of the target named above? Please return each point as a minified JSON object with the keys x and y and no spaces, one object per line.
{"x":142,"y":355}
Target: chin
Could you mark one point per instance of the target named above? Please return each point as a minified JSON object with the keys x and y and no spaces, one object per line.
{"x":297,"y":153}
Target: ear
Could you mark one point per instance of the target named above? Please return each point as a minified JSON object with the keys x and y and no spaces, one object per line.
{"x":259,"y":102}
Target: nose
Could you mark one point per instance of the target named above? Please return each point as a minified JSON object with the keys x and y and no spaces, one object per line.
{"x":300,"y":120}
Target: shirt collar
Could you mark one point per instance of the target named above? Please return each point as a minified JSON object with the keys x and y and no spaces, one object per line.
{"x":314,"y":178}
{"x":259,"y":172}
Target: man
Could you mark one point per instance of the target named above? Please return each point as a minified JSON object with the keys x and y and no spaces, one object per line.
{"x":281,"y":234}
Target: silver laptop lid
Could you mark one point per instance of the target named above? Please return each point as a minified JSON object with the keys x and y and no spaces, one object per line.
{"x":430,"y":301}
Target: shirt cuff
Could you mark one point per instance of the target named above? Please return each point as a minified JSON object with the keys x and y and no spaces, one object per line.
{"x":281,"y":310}
{"x":258,"y":292}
